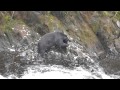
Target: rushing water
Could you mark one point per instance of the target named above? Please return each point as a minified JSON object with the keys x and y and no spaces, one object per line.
{"x":75,"y":64}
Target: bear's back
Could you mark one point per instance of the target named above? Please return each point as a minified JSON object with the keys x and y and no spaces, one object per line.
{"x":47,"y":36}
{"x":52,"y":35}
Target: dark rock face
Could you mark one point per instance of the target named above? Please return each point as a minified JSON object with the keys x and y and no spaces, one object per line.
{"x":111,"y":64}
{"x":117,"y":44}
{"x":10,"y":63}
{"x":102,"y":38}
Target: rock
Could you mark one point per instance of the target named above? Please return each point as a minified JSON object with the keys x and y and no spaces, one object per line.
{"x":117,"y":44}
{"x":118,"y":23}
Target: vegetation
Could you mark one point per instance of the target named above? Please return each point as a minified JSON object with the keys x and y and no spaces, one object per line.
{"x":7,"y":22}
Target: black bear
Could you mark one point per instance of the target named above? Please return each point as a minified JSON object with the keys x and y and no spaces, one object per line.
{"x":53,"y":39}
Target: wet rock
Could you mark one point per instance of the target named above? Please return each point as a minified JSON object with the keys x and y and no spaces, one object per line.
{"x":2,"y":64}
{"x":117,"y":44}
{"x":111,"y":65}
{"x":57,"y":59}
{"x":11,"y":64}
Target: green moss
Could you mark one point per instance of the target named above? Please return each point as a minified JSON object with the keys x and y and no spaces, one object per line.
{"x":105,"y":13}
{"x":87,"y":37}
{"x":8,"y":23}
{"x":95,"y":27}
{"x":52,"y":22}
{"x":117,"y":15}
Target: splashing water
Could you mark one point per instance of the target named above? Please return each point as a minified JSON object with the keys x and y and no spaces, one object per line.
{"x":75,"y":64}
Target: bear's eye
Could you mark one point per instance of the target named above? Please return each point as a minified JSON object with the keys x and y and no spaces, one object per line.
{"x":65,"y":41}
